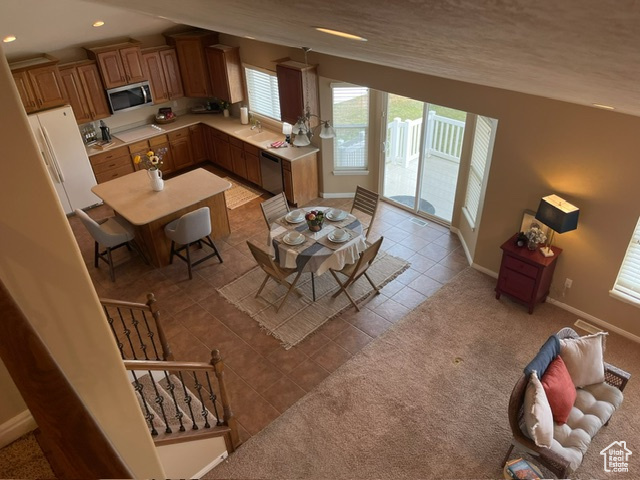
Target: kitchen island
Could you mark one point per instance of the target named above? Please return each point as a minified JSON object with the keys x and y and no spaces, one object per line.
{"x":148,"y":211}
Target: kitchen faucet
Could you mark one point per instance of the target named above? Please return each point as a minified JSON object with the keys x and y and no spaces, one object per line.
{"x":256,"y":124}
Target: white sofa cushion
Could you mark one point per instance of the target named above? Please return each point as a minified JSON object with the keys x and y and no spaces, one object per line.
{"x":593,"y":407}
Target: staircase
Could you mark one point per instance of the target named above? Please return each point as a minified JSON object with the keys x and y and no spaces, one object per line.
{"x":185,"y":404}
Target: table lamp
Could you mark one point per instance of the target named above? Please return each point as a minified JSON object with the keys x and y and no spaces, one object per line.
{"x":557,"y":214}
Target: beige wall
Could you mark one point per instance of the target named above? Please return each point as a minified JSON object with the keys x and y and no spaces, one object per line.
{"x":543,"y":146}
{"x":43,"y":270}
{"x":11,"y":403}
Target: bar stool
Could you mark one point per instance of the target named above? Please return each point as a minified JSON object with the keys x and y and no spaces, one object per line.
{"x":191,"y":228}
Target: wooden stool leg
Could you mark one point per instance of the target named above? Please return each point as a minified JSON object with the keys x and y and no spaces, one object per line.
{"x":96,"y":255}
{"x":189,"y":261}
{"x":111,"y":270}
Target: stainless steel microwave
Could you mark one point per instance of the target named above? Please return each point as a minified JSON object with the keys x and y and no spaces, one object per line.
{"x":129,"y":96}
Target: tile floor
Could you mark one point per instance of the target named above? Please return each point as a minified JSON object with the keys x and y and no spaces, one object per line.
{"x":264,"y":379}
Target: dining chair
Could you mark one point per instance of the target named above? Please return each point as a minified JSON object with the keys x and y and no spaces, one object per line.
{"x":191,"y":228}
{"x":366,"y":202}
{"x":274,"y":208}
{"x":354,"y":271}
{"x":268,"y":265}
{"x":111,"y":233}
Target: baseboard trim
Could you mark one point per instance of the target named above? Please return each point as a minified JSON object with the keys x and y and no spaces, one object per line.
{"x":484,"y":270}
{"x":16,"y":427}
{"x":219,"y":459}
{"x":595,"y":320}
{"x":337,"y":195}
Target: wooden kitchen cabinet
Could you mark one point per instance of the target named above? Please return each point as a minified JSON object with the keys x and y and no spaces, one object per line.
{"x":525,"y":275}
{"x":225,"y":70}
{"x":252,"y":164}
{"x":119,"y":64}
{"x":300,"y":179}
{"x":85,"y":91}
{"x":164,"y":74}
{"x":39,"y":83}
{"x":180,"y":148}
{"x":219,"y":148}
{"x":111,"y":164}
{"x":190,"y":49}
{"x":238,"y":165}
{"x":297,"y":88}
{"x":198,"y":148}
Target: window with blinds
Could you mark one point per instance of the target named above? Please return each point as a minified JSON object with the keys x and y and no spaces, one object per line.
{"x":262,"y":89}
{"x":351,"y":123}
{"x":627,"y":284}
{"x":482,"y":144}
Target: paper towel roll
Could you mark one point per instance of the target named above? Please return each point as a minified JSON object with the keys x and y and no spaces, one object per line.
{"x":244,"y":115}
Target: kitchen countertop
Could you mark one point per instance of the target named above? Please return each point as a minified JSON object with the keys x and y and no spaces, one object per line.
{"x":229,"y":125}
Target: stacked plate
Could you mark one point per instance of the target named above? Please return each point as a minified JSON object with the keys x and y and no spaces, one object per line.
{"x":336,"y":215}
{"x":294,"y":217}
{"x":293,"y":238}
{"x":339,"y":236}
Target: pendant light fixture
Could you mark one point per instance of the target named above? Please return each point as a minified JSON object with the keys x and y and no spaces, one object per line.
{"x":302,"y":129}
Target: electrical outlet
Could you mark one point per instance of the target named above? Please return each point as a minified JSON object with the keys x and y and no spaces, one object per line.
{"x":567,"y":283}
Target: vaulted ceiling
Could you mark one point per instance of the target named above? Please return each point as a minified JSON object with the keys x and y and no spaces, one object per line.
{"x":580,"y":51}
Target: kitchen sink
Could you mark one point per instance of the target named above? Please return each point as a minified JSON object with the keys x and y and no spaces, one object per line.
{"x":262,"y":136}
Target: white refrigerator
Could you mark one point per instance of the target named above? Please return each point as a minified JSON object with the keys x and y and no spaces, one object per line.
{"x":65,"y":157}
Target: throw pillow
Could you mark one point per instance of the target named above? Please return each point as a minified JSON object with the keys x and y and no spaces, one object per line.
{"x":537,"y":413}
{"x":559,"y":389}
{"x":541,"y":361}
{"x":584,"y":358}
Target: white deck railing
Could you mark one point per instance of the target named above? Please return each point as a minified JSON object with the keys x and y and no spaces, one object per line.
{"x":444,"y":139}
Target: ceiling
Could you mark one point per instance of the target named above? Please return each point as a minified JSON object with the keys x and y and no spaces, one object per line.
{"x":580,"y":51}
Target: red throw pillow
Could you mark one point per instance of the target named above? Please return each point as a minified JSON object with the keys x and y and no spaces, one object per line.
{"x":560,"y":390}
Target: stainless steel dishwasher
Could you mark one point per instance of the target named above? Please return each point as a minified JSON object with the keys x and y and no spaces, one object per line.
{"x":271,"y":170}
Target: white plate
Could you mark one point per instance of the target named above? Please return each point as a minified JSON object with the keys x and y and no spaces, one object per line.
{"x":335,"y":240}
{"x":289,"y":219}
{"x":342,"y":216}
{"x":286,"y":240}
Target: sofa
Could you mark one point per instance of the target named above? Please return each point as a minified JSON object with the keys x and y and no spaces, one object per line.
{"x":566,"y":394}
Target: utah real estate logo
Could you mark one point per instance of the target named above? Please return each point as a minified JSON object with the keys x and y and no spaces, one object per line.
{"x":616,"y":457}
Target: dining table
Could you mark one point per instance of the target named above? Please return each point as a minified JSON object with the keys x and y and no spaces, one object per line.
{"x":149,"y":211}
{"x":316,"y":252}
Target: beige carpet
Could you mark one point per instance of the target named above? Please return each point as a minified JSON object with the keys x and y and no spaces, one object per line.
{"x":239,"y":194}
{"x":428,"y":399}
{"x":23,"y":458}
{"x":300,"y":315}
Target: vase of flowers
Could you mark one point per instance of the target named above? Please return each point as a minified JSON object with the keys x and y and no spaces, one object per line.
{"x":315,"y":219}
{"x":151,"y":161}
{"x":535,"y":236}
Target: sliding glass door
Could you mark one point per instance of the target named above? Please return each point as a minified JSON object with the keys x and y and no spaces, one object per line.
{"x":422,"y":155}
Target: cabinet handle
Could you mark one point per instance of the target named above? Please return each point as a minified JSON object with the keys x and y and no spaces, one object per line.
{"x":39,"y":101}
{"x":113,"y":165}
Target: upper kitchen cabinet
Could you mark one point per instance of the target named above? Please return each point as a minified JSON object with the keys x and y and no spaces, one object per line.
{"x":85,"y":91}
{"x":164,"y":73}
{"x":225,"y":70}
{"x":120,"y":64}
{"x":297,"y":87}
{"x":39,"y":83}
{"x":190,"y":47}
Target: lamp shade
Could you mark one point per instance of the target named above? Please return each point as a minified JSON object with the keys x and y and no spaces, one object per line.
{"x":327,"y":131}
{"x":558,"y":214}
{"x":301,"y":139}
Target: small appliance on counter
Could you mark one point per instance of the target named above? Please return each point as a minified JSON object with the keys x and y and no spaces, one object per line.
{"x":89,"y":135}
{"x":106,"y":133}
{"x":165,"y":115}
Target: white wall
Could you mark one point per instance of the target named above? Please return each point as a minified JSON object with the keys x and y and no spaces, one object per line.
{"x":43,"y":270}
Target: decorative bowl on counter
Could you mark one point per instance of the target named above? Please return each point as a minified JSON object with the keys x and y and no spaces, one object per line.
{"x":161,"y":119}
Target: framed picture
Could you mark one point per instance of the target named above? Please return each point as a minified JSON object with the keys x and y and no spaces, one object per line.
{"x":529,"y":220}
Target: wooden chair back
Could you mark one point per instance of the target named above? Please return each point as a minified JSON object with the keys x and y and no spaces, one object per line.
{"x":265,"y":261}
{"x":364,"y":262}
{"x":274,"y":208}
{"x":366,"y":202}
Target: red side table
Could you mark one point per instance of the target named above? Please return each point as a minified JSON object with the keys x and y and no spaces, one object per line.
{"x":525,"y":275}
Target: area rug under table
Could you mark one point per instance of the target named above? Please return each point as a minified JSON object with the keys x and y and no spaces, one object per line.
{"x":239,"y":194}
{"x":300,"y":315}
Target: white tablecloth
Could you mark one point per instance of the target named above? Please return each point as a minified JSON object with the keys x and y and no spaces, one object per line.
{"x":313,"y":256}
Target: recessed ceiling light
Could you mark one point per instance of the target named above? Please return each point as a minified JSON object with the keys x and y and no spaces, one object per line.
{"x":606,"y":107}
{"x":98,"y":23}
{"x":9,"y":39}
{"x":338,"y":33}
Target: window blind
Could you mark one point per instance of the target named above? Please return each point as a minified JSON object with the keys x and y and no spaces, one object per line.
{"x":351,"y":123}
{"x":262,"y":89}
{"x":479,"y":155}
{"x":628,"y":281}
